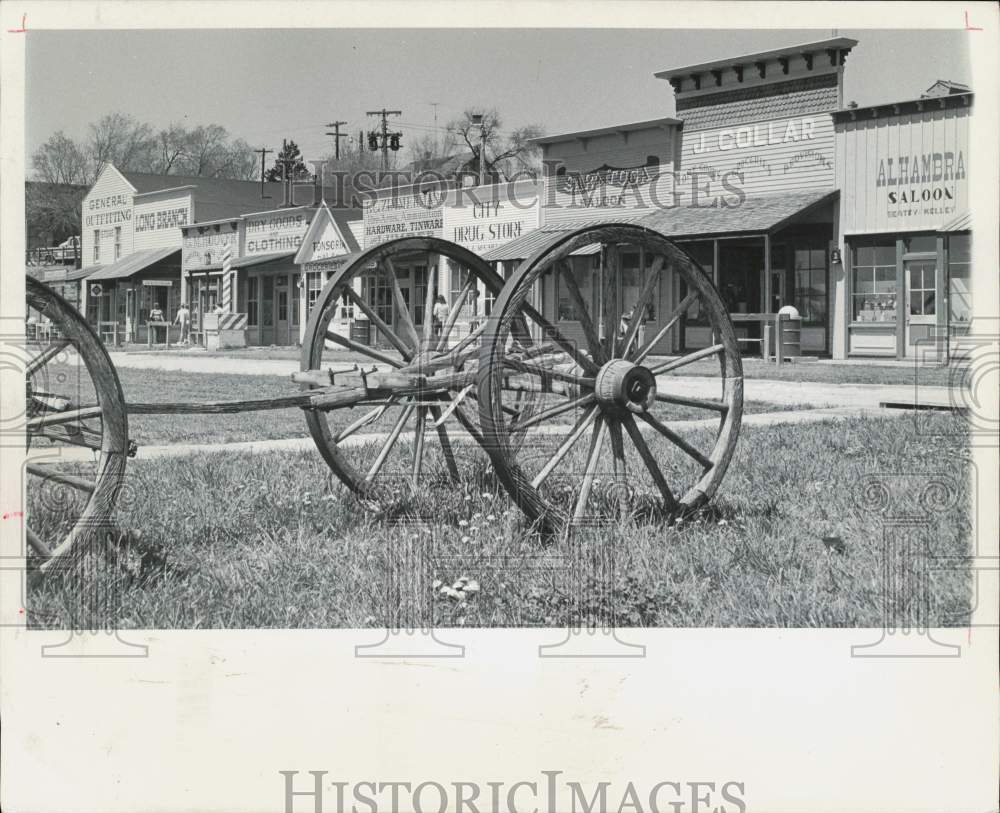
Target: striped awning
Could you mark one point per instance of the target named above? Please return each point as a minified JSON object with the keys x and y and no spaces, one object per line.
{"x":134,"y":263}
{"x":962,"y":222}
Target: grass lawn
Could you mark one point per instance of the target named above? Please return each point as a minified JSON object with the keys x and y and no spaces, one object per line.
{"x":149,"y":386}
{"x":270,"y":541}
{"x":831,"y":373}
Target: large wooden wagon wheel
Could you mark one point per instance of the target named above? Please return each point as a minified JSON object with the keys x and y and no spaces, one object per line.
{"x":424,"y":387}
{"x":613,"y":396}
{"x":76,"y":430}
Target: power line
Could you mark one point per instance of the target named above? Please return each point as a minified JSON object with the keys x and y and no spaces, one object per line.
{"x":384,"y":115}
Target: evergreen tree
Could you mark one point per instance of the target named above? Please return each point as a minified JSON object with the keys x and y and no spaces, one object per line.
{"x":291,"y":156}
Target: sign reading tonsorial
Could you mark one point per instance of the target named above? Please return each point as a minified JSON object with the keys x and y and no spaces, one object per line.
{"x":408,"y":212}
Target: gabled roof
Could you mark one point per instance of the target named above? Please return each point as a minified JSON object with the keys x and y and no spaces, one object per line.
{"x":324,"y":219}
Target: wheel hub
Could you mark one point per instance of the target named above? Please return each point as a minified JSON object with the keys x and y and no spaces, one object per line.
{"x":621,"y":383}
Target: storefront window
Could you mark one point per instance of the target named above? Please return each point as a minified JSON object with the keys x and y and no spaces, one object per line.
{"x":118,"y":242}
{"x":810,"y":285}
{"x":419,"y":293}
{"x":584,"y":278}
{"x":704,"y":255}
{"x":459,"y":279}
{"x":252,"y":299}
{"x":314,"y":284}
{"x":296,"y":300}
{"x":97,"y":245}
{"x":959,"y":276}
{"x":923,"y":292}
{"x":873,"y":281}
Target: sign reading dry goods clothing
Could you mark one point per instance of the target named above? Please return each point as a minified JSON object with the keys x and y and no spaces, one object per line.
{"x":274,"y":232}
{"x":404,"y":213}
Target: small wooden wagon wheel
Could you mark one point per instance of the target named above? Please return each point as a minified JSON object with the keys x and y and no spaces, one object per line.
{"x":76,"y":430}
{"x":420,"y":389}
{"x":611,"y":397}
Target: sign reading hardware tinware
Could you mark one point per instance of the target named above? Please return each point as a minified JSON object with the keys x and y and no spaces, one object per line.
{"x":403,"y":213}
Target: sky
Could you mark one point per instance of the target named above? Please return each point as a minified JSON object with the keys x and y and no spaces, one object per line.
{"x":265,"y":85}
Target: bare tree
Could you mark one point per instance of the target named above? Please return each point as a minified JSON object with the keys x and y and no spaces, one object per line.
{"x":173,"y":144}
{"x":507,"y":152}
{"x":240,"y":162}
{"x":60,"y":160}
{"x":125,"y":142}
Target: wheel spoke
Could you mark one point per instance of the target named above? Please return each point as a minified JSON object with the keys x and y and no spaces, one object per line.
{"x":670,"y":502}
{"x":551,"y":412}
{"x":453,"y":314}
{"x":404,"y":312}
{"x":364,"y":420}
{"x":364,"y":349}
{"x":700,"y":403}
{"x":581,"y":426}
{"x":645,"y":297}
{"x":457,"y":355}
{"x":446,"y":450}
{"x":469,"y":425}
{"x":676,"y":314}
{"x":546,"y":372}
{"x":429,"y":307}
{"x":46,"y":356}
{"x":36,"y":543}
{"x":611,"y":308}
{"x":690,"y":358}
{"x":593,"y":340}
{"x":552,"y":333}
{"x":381,"y":326}
{"x":389,"y":443}
{"x":64,"y":417}
{"x":418,"y":445}
{"x":677,"y":440}
{"x":620,"y":470}
{"x":65,"y":479}
{"x":454,"y":404}
{"x":600,"y":430}
{"x":86,"y":437}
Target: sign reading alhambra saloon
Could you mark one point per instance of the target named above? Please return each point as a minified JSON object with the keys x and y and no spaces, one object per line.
{"x":902,"y":169}
{"x":924,"y":184}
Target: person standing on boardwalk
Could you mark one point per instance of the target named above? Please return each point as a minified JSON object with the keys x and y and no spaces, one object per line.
{"x":184,"y":320}
{"x":439,"y":315}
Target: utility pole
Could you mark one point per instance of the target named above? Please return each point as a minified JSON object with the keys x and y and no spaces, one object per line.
{"x":384,"y":114}
{"x":263,"y":153}
{"x":478,"y":119}
{"x":435,"y":106}
{"x":337,"y":135}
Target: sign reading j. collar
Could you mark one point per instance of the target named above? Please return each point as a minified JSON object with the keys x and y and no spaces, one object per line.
{"x":783,"y":155}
